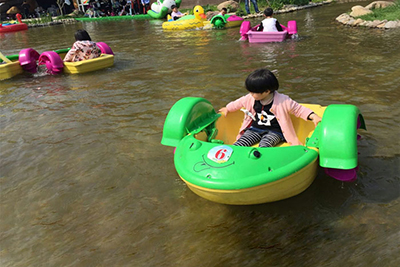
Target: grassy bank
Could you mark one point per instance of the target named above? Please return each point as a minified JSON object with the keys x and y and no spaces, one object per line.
{"x":389,"y":13}
{"x":262,"y":4}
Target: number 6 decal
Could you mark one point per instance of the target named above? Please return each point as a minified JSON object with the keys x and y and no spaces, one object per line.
{"x":220,"y":154}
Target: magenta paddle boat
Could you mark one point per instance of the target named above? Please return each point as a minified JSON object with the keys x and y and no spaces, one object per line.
{"x":253,"y":36}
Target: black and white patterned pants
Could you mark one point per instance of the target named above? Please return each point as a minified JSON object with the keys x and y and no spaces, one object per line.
{"x":266,"y":139}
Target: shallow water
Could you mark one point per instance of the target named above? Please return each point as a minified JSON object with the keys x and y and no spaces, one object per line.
{"x":85,"y":181}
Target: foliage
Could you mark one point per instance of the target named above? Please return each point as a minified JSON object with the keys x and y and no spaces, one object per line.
{"x":41,"y":20}
{"x":388,"y":13}
{"x":209,"y":8}
{"x":274,"y":4}
{"x":240,"y":12}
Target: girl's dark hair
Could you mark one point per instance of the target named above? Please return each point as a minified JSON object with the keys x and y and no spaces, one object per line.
{"x":260,"y":81}
{"x":268,"y":12}
{"x":82,"y":35}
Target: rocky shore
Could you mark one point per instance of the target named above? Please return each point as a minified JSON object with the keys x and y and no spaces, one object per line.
{"x":53,"y":22}
{"x":352,"y":20}
{"x":290,"y":8}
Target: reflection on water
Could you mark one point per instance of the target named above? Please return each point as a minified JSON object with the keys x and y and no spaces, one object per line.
{"x":85,"y":181}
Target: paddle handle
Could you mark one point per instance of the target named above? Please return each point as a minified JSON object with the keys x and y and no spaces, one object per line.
{"x":3,"y":57}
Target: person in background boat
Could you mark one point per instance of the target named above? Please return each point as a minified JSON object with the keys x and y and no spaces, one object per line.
{"x":223,"y":11}
{"x":269,"y":24}
{"x":268,"y":112}
{"x":83,"y":48}
{"x":247,"y":3}
{"x":176,"y":14}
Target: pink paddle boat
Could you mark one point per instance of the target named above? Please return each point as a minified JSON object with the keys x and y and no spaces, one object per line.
{"x":254,"y":36}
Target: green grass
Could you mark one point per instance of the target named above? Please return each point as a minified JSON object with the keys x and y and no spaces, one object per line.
{"x":389,"y":13}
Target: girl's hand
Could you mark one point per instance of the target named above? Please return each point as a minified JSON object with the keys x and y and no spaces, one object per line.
{"x":224,"y":111}
{"x":315,"y":119}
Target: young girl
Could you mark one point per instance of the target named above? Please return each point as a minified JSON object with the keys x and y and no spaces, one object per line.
{"x":269,"y":120}
{"x":83,"y":48}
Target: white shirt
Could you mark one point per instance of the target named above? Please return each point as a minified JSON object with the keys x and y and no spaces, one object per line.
{"x":269,"y":25}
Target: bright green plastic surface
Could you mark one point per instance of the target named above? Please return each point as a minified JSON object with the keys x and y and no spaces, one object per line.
{"x":336,"y":137}
{"x":188,"y":115}
{"x":219,"y":21}
{"x":243,"y":169}
{"x":11,"y":57}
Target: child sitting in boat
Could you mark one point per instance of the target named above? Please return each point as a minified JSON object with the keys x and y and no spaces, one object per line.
{"x":83,"y":48}
{"x":176,"y":14}
{"x":268,"y":112}
{"x":223,"y":11}
{"x":269,"y":24}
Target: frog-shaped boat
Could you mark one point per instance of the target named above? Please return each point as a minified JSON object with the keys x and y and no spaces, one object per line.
{"x":214,"y":169}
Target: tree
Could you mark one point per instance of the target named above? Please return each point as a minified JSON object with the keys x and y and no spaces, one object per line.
{"x":61,"y":4}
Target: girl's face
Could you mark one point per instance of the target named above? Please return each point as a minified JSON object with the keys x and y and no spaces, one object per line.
{"x":261,"y":96}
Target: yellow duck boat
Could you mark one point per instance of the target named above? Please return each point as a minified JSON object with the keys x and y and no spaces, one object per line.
{"x":187,"y":22}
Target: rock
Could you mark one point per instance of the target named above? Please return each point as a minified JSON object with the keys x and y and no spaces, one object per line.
{"x":13,"y":10}
{"x":232,"y":6}
{"x":375,"y":23}
{"x":382,"y":24}
{"x":358,"y":11}
{"x":350,"y":22}
{"x":357,"y":22}
{"x":379,"y":4}
{"x":344,"y":18}
{"x":391,"y":25}
{"x":211,"y":14}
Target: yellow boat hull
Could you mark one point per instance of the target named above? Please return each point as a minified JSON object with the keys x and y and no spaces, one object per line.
{"x":102,"y":62}
{"x":10,"y":70}
{"x":182,"y":24}
{"x":281,"y":189}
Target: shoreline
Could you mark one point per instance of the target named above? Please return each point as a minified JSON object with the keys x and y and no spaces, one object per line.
{"x":344,"y":18}
{"x":288,"y":9}
{"x":348,"y":20}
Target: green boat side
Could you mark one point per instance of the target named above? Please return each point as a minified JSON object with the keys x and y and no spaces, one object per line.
{"x":246,"y":167}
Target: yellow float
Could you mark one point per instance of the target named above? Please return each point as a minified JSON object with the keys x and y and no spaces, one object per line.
{"x":187,"y":22}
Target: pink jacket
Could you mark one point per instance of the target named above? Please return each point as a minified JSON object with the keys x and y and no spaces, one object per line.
{"x":282,"y":107}
{"x":82,"y":50}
